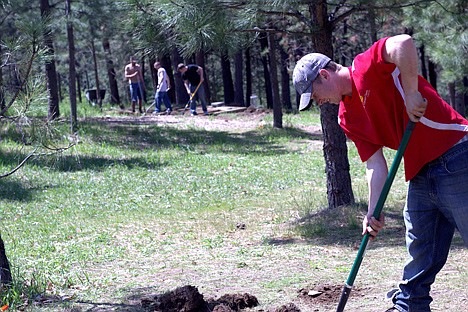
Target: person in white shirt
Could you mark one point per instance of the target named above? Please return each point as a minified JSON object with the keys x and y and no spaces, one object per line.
{"x":161,"y":90}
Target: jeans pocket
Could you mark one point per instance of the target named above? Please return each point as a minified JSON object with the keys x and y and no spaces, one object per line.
{"x":457,"y":162}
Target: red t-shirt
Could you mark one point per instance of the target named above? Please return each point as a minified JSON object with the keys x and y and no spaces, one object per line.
{"x":375,"y":115}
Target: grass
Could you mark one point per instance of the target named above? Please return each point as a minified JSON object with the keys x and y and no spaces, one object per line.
{"x":139,"y":208}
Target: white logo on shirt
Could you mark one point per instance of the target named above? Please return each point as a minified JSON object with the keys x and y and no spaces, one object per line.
{"x":364,"y":98}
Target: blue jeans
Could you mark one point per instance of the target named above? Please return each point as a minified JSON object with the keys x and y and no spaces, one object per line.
{"x":135,"y":92}
{"x":200,"y":95}
{"x":436,"y":205}
{"x":162,"y":97}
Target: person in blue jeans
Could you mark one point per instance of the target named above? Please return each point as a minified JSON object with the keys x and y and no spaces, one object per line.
{"x":133,"y":72}
{"x":377,"y":96}
{"x":192,"y":75}
{"x":161,"y":89}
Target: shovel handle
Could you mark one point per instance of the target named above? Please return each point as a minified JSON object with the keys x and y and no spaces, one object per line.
{"x":378,"y":209}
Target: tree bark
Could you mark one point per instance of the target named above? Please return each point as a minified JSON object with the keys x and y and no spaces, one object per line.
{"x":422,"y":57}
{"x":262,"y":38}
{"x":96,"y":73}
{"x":451,"y":91}
{"x":373,"y":27}
{"x":5,"y":272}
{"x":113,"y":87}
{"x":239,"y":81}
{"x":277,"y":110}
{"x":181,"y":93}
{"x":432,"y":74}
{"x":465,"y":94}
{"x":200,"y":61}
{"x":339,"y":189}
{"x":2,"y":92}
{"x":166,"y":63}
{"x":72,"y":69}
{"x":227,"y":79}
{"x":51,"y":72}
{"x":248,"y":77}
{"x":285,"y":80}
{"x":78,"y":87}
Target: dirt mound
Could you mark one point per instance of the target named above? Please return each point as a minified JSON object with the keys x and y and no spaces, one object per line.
{"x":188,"y":299}
{"x":290,"y":307}
{"x":325,"y":294}
{"x":235,"y":302}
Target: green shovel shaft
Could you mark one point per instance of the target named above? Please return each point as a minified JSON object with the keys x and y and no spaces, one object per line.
{"x":377,"y":211}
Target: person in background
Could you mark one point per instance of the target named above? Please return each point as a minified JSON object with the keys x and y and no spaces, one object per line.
{"x":161,"y":90}
{"x":135,"y":80}
{"x":377,"y":96}
{"x":192,"y":75}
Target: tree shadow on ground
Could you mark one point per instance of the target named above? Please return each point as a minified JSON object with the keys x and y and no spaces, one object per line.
{"x":342,"y":226}
{"x":151,"y":136}
{"x":15,"y":191}
{"x":145,"y":137}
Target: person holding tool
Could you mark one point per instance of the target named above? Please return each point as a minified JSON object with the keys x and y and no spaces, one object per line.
{"x":161,"y":90}
{"x":192,"y":75}
{"x":377,"y":97}
{"x":136,"y":83}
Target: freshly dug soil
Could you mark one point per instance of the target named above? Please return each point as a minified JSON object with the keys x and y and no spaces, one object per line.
{"x":188,"y":299}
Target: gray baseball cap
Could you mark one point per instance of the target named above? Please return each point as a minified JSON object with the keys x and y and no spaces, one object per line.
{"x":305,"y":72}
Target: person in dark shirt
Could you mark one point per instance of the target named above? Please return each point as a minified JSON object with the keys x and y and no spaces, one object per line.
{"x":192,"y":75}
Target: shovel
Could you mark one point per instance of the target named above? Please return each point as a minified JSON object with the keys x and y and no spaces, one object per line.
{"x":378,"y":209}
{"x":191,"y":98}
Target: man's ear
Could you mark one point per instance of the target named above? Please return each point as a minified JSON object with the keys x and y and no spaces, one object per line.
{"x":324,"y":73}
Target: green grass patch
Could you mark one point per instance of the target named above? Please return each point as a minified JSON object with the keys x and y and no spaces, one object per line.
{"x":155,"y":206}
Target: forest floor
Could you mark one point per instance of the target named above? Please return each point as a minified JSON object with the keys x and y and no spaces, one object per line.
{"x":233,"y":271}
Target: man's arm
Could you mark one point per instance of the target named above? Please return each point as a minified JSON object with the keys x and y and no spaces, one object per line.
{"x":187,"y":86}
{"x":167,"y":81}
{"x":127,"y":74}
{"x":200,"y":72}
{"x":376,"y":173}
{"x":401,"y":51}
{"x":160,"y":78}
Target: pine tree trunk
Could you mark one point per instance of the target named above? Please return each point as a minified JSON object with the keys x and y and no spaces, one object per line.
{"x":78,"y":87}
{"x":432,"y":74}
{"x":96,"y":73}
{"x":200,"y":61}
{"x":262,"y":38}
{"x":339,"y":189}
{"x":227,"y":79}
{"x":239,"y":81}
{"x":465,"y":95}
{"x":422,"y":58}
{"x":451,"y":92}
{"x":2,"y":92}
{"x":181,"y":93}
{"x":51,"y":72}
{"x":166,"y":64}
{"x":277,"y":110}
{"x":5,"y":272}
{"x":285,"y":81}
{"x":248,"y":77}
{"x":113,"y":87}
{"x":72,"y":69}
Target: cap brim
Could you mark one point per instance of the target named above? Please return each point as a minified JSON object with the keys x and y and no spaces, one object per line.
{"x":305,"y":101}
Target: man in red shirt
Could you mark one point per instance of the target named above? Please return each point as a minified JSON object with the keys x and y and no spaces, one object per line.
{"x":377,"y":95}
